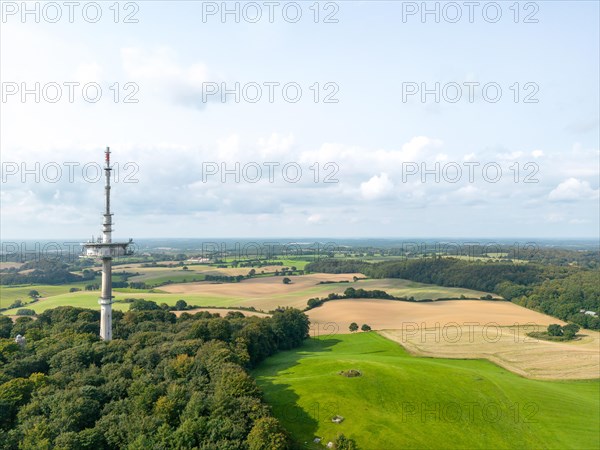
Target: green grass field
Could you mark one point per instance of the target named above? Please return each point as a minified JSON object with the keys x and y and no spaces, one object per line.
{"x":89,"y":299}
{"x":401,"y":401}
{"x":9,"y":294}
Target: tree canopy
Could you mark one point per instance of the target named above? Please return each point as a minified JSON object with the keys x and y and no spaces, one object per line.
{"x":163,"y":382}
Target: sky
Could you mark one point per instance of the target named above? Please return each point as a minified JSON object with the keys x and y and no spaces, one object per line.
{"x":341,"y":119}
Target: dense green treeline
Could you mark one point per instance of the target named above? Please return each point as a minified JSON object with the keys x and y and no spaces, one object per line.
{"x":448,"y":272}
{"x":44,"y":272}
{"x":561,"y":291}
{"x":457,"y":273}
{"x":571,"y":298}
{"x":162,"y":383}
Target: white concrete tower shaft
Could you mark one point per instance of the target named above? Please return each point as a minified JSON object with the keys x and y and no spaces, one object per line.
{"x":106,"y":298}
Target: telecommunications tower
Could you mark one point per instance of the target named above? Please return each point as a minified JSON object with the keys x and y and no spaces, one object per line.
{"x":105,"y":249}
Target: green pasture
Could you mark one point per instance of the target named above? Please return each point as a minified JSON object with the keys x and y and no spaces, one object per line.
{"x":406,"y":402}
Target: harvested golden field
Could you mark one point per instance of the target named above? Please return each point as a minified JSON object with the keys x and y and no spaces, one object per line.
{"x":254,"y":287}
{"x":468,"y":329}
{"x":389,"y":314}
{"x":509,"y":347}
{"x":264,"y":293}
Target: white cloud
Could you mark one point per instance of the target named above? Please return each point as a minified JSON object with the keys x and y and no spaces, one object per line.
{"x":157,"y":64}
{"x":465,"y":195}
{"x":315,"y":219}
{"x":510,"y":156}
{"x":573,"y":189}
{"x":358,"y":159}
{"x":88,"y":72}
{"x":554,"y":217}
{"x":378,"y":186}
{"x":537,"y":153}
{"x":158,"y":71}
{"x":276,"y":145}
{"x":228,"y":149}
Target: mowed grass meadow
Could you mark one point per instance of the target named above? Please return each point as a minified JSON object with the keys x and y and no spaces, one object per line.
{"x":401,"y":401}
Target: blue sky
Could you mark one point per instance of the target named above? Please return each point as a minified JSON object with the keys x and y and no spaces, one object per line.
{"x":370,"y":137}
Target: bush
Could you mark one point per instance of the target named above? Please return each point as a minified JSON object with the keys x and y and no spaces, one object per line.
{"x":5,"y":327}
{"x":314,"y":302}
{"x":16,"y":304}
{"x":555,"y":330}
{"x":570,"y":330}
{"x":25,"y":312}
{"x":343,"y":443}
{"x":139,"y":304}
{"x":181,"y":305}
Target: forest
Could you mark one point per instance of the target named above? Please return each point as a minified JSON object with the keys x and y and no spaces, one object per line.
{"x":44,"y":271}
{"x":164,"y":382}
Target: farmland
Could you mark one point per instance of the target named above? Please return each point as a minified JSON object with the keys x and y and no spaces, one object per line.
{"x":386,"y":314}
{"x":262,"y":293}
{"x":402,"y":401}
{"x":448,"y":347}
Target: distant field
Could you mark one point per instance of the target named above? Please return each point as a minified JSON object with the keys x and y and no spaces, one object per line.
{"x":401,"y":401}
{"x":264,"y":293}
{"x":300,"y":263}
{"x":420,"y":291}
{"x":196,"y":272}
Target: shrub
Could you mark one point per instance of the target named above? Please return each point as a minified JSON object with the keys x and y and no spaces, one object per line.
{"x":555,"y":330}
{"x":570,"y":330}
{"x":343,"y":443}
{"x":16,"y":304}
{"x":180,"y":305}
